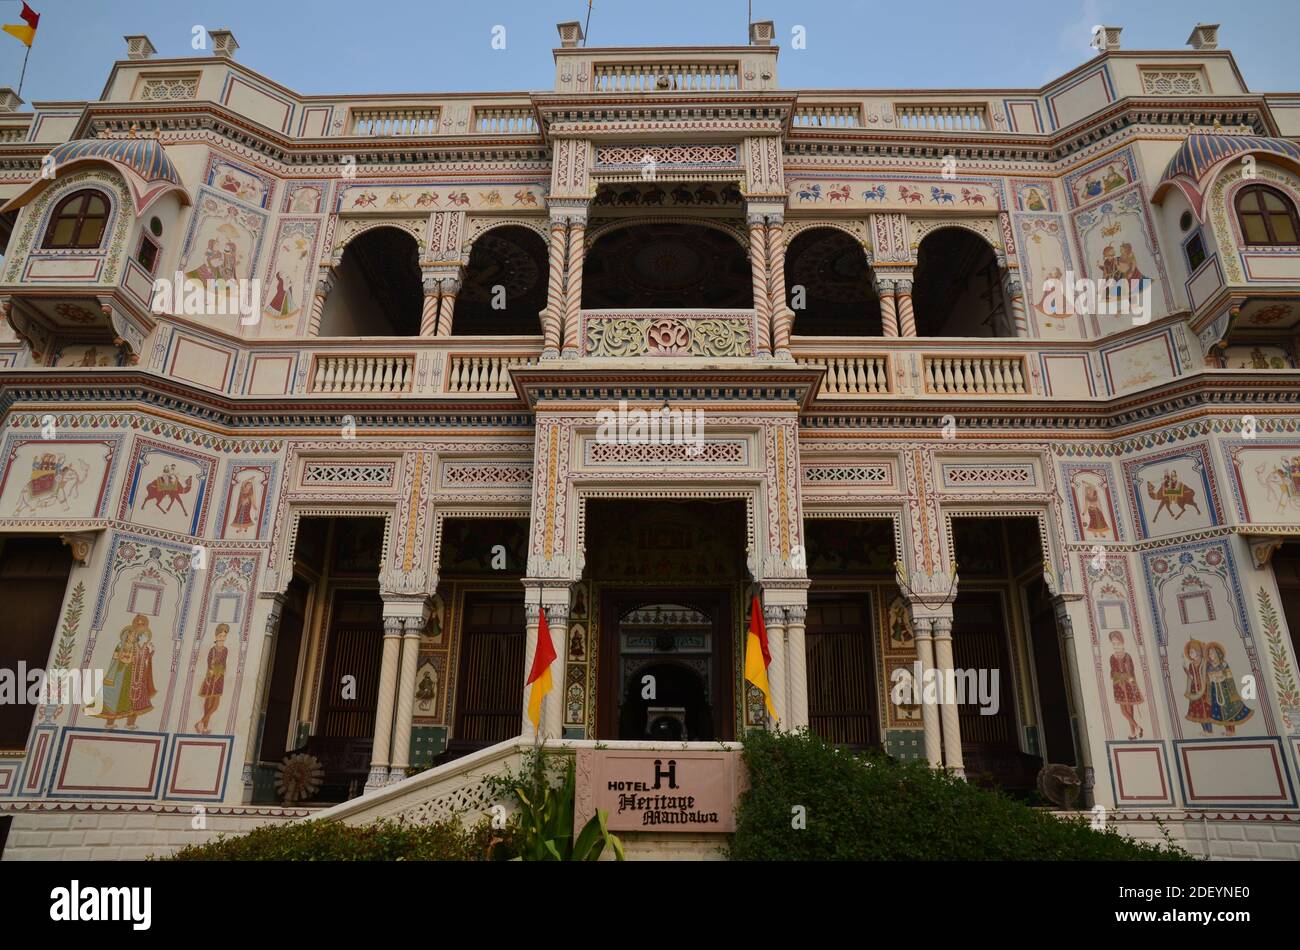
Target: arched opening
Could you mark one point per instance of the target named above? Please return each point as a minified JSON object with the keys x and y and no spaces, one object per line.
{"x":957,"y":290}
{"x":78,"y":221}
{"x":829,"y":285}
{"x":505,"y":285}
{"x":666,"y":266}
{"x":1267,"y":217}
{"x":378,"y":291}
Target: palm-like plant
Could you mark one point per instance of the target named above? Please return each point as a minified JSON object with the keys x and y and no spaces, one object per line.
{"x":545,"y":820}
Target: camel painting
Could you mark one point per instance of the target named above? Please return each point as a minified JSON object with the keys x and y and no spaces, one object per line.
{"x":1172,"y":491}
{"x":167,"y":487}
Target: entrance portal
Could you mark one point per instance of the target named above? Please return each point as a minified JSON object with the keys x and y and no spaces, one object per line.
{"x":668,"y":663}
{"x":668,"y":580}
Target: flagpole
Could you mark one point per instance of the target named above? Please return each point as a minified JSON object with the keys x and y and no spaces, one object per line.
{"x":23,"y":75}
{"x":586,"y":26}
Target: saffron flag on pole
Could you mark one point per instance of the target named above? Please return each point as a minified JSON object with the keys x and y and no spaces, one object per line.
{"x":25,"y":31}
{"x":539,"y":677}
{"x":758,"y":657}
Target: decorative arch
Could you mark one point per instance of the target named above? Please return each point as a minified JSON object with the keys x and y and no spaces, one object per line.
{"x":476,"y":227}
{"x":598,"y":231}
{"x":507,"y":260}
{"x":854,"y":228}
{"x":283,"y":571}
{"x":350,"y":229}
{"x":987,"y":229}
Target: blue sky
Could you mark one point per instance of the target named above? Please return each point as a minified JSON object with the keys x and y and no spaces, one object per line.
{"x":325,"y":46}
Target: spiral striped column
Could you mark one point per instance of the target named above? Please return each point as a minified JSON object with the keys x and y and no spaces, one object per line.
{"x":1019,"y":318}
{"x":323,"y":287}
{"x":782,"y":317}
{"x":429,"y":312}
{"x":573,"y":288}
{"x":888,"y":308}
{"x":447,"y":305}
{"x":906,"y":318}
{"x":758,"y":265}
{"x":553,"y":316}
{"x":948,"y":710}
{"x":379,"y":756}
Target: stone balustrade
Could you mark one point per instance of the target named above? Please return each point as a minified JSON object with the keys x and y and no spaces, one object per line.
{"x":943,"y":117}
{"x":665,"y":77}
{"x":866,"y":375}
{"x":814,"y":116}
{"x":484,"y":375}
{"x":414,"y":121}
{"x":514,"y":121}
{"x":355,"y":375}
{"x":975,"y":375}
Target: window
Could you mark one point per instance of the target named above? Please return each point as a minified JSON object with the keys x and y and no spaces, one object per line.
{"x":147,"y":255}
{"x":1267,"y":216}
{"x":78,"y":221}
{"x":1194,"y":248}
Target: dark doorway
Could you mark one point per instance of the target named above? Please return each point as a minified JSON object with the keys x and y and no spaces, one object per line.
{"x":957,"y":290}
{"x":378,"y":290}
{"x":284,"y":674}
{"x":1049,"y":673}
{"x":829,"y":285}
{"x":841,"y":669}
{"x":1286,"y":570}
{"x":666,"y":659}
{"x":505,"y":285}
{"x":33,"y":577}
{"x":490,"y":682}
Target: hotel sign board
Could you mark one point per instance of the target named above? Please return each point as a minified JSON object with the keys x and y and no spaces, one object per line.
{"x":667,"y":789}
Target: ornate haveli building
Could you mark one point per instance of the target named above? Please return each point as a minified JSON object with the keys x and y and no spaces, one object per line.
{"x":627,"y":352}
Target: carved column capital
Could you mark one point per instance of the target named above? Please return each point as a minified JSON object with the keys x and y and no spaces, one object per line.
{"x":82,"y":544}
{"x":903,"y":286}
{"x":393,"y":626}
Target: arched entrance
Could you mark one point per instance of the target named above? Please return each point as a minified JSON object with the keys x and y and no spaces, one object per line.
{"x":505,"y":285}
{"x":378,"y":291}
{"x":666,"y":265}
{"x":957,"y":291}
{"x":829,"y":285}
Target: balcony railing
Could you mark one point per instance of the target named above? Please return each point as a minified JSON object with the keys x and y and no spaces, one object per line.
{"x":665,"y":77}
{"x":975,"y":375}
{"x":356,"y":375}
{"x":484,"y":375}
{"x":394,"y":121}
{"x":827,"y":117}
{"x":954,"y":117}
{"x":866,"y":375}
{"x":505,"y":121}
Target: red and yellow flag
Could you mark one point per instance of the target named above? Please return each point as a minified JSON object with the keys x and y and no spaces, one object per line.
{"x":25,"y":31}
{"x":539,"y":677}
{"x":757,"y":656}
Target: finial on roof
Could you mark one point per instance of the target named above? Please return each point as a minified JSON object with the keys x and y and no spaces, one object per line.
{"x":1204,"y":36}
{"x":571,"y":34}
{"x":138,"y":46}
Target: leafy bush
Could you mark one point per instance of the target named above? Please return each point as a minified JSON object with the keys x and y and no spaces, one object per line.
{"x":880,"y":809}
{"x":378,"y":841}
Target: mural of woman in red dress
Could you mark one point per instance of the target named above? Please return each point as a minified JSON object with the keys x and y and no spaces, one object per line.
{"x":214,"y":681}
{"x":1198,"y":704}
{"x":1096,"y":517}
{"x":243,"y":517}
{"x":1123,"y":678}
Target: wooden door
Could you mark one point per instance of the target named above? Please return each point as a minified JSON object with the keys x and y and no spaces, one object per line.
{"x":490,"y":683}
{"x":839,"y":644}
{"x":281,"y":689}
{"x":1057,"y":737}
{"x":354,"y":655}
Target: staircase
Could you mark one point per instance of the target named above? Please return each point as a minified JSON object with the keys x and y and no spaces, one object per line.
{"x":463,"y":789}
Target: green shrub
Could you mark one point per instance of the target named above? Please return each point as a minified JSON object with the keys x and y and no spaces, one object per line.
{"x":378,"y":841}
{"x":880,"y":809}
